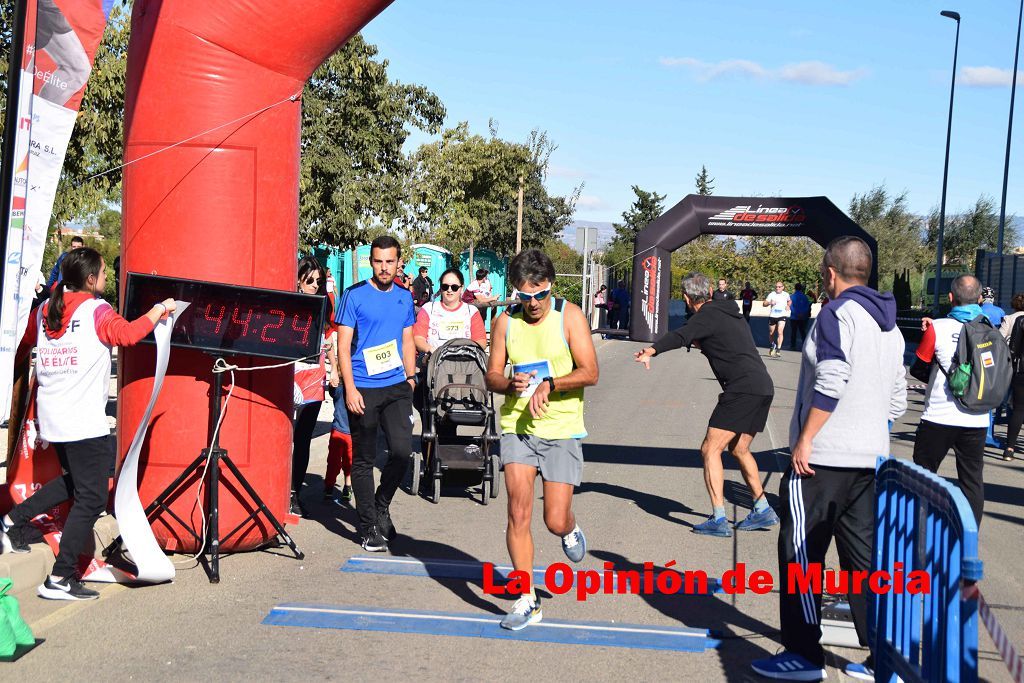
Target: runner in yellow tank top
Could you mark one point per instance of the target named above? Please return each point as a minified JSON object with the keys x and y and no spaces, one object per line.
{"x":549,"y":345}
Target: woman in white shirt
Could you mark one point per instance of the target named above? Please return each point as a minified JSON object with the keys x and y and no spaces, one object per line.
{"x":448,"y":317}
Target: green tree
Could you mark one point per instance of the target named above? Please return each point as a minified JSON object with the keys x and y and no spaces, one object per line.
{"x":897,"y":231}
{"x":647,"y":207}
{"x":355,"y":121}
{"x":465,"y":187}
{"x":705,"y":183}
{"x":965,"y":233}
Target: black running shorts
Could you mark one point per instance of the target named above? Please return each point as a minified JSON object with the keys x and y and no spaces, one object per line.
{"x":741,"y":413}
{"x":776,"y":321}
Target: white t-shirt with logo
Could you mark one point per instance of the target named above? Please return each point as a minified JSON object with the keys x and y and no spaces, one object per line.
{"x":778,"y":301}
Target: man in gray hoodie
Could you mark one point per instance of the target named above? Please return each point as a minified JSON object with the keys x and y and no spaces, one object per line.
{"x":852,"y":386}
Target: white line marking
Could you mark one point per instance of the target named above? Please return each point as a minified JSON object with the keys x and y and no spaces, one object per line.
{"x":480,"y":620}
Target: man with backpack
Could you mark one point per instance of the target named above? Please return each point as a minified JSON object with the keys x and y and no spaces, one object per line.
{"x":966,"y":363}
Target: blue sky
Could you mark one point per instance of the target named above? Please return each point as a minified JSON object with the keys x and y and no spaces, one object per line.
{"x":791,"y":98}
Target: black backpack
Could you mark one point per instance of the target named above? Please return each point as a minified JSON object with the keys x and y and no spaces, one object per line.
{"x":981,"y":371}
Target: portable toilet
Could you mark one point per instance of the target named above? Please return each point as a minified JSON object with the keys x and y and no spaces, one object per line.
{"x":363,"y":269}
{"x":436,"y":259}
{"x":496,"y":268}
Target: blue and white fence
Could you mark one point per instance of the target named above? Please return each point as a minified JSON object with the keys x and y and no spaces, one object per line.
{"x":925,"y":523}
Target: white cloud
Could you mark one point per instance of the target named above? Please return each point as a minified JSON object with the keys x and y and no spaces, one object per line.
{"x":807,"y":73}
{"x":589,"y":202}
{"x":988,"y":77}
{"x":556,"y":171}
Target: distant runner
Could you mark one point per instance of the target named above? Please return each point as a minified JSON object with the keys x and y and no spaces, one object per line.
{"x":779,"y":303}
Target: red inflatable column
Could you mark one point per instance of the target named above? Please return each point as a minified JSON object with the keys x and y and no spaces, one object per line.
{"x":220,"y":82}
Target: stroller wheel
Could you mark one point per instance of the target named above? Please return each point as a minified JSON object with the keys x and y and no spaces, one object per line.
{"x":495,"y":476}
{"x":436,"y":498}
{"x":417,"y":473}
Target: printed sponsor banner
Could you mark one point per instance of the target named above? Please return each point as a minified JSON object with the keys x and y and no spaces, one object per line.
{"x":61,"y":38}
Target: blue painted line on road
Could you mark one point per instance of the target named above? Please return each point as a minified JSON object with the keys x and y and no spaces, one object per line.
{"x":470,"y":570}
{"x":478,"y":625}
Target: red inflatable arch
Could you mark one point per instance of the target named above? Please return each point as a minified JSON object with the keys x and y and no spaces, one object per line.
{"x":222,"y":206}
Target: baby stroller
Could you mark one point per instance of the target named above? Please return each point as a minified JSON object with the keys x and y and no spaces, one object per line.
{"x":455,"y":395}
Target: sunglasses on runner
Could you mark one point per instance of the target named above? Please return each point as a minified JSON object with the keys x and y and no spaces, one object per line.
{"x":536,"y":296}
{"x":450,"y":288}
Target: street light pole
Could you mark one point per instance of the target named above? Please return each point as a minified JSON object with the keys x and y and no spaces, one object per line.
{"x":1009,"y":133}
{"x":945,"y":169}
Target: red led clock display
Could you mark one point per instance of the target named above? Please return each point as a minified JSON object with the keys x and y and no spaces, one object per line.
{"x":231,"y":319}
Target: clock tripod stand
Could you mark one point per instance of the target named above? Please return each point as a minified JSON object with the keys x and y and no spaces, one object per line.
{"x":212,"y":459}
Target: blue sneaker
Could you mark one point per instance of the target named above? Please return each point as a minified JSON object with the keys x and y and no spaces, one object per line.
{"x":786,"y":666}
{"x":524,"y":612}
{"x":859,"y":671}
{"x":713,"y":527}
{"x":758,"y":520}
{"x":574,"y":544}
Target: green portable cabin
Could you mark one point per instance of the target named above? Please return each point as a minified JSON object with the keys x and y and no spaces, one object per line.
{"x":363,"y":269}
{"x":497,"y":268}
{"x":436,"y":259}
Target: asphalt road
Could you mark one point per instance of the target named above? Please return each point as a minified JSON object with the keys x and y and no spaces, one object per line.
{"x":642,"y":491}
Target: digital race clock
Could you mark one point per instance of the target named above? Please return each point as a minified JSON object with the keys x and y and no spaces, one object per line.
{"x":231,"y":319}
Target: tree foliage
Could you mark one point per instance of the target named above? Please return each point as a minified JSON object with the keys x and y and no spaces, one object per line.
{"x":355,"y":121}
{"x":966,"y":232}
{"x":705,"y":183}
{"x":898,"y":232}
{"x":647,"y":207}
{"x":464,"y":190}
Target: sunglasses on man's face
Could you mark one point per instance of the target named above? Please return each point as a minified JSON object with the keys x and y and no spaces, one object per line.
{"x":536,"y":296}
{"x":450,"y":288}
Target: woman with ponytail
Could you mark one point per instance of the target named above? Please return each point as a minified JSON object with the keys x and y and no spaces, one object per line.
{"x":73,"y":333}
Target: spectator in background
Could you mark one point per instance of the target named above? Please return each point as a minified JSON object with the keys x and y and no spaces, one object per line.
{"x":479,"y":292}
{"x":401,"y":279}
{"x":800,"y":315}
{"x":422,"y":288}
{"x":618,"y":307}
{"x":331,"y":284}
{"x":747,"y":296}
{"x":1012,"y":330}
{"x":994,"y":314}
{"x":76,"y":243}
{"x":723,"y":291}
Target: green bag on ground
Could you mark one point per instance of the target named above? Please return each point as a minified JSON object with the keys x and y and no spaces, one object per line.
{"x":7,"y":641}
{"x":10,"y":609}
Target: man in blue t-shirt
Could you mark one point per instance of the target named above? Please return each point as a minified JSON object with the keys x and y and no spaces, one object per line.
{"x":799,"y":316}
{"x":377,"y":359}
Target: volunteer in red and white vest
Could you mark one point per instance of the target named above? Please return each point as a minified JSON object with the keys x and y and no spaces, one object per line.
{"x":448,"y":318}
{"x":311,"y":380}
{"x":73,"y":334}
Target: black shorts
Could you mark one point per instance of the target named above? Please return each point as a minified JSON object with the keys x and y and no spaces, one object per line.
{"x":741,"y":413}
{"x":776,"y":321}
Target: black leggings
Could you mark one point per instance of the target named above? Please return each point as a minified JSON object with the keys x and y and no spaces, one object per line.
{"x":87,"y":466}
{"x":1017,"y":416}
{"x":305,"y":423}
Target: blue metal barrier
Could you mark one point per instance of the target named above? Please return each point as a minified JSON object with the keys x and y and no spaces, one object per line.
{"x":924,"y":522}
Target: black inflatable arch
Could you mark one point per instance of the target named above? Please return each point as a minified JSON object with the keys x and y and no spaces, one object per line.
{"x":814,"y":217}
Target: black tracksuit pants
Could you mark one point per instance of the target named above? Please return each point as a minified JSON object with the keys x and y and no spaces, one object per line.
{"x":388,"y":409}
{"x":836,"y":502}
{"x":87,"y":465}
{"x":932,"y":443}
